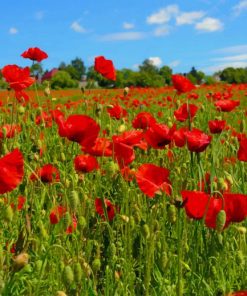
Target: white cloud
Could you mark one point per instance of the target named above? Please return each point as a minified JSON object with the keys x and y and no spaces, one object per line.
{"x":240,"y":7}
{"x":162,"y":31}
{"x":123,"y":36}
{"x":39,"y":15}
{"x":188,"y":18}
{"x":75,"y":26}
{"x":221,"y":67}
{"x":163,"y":15}
{"x":209,"y":24}
{"x":128,"y":26}
{"x":156,"y":61}
{"x":174,"y":64}
{"x":236,"y":58}
{"x":237,"y":49}
{"x":13,"y":31}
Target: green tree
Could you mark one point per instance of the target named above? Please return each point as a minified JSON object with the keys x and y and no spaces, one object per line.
{"x":36,"y":70}
{"x":78,"y":64}
{"x":166,"y":73}
{"x":62,"y":79}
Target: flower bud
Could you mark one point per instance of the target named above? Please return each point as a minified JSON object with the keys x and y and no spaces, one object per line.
{"x":96,"y":264}
{"x":68,"y":275}
{"x":146,"y":231}
{"x":20,"y":261}
{"x":172,"y":214}
{"x":220,"y":220}
{"x":8,"y":214}
{"x":77,"y":272}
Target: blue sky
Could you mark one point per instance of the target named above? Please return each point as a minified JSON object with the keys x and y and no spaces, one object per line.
{"x":209,"y":35}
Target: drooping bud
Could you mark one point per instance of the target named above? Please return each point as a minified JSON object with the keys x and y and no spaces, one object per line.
{"x":220,"y":220}
{"x":172,"y":214}
{"x":68,"y":276}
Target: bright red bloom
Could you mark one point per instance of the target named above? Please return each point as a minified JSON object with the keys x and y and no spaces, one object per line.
{"x":57,"y":213}
{"x":44,"y":118}
{"x":47,"y":174}
{"x":235,"y":206}
{"x":226,"y":105}
{"x":18,"y":78}
{"x":152,"y":179}
{"x":123,"y":153}
{"x":11,"y":171}
{"x":242,"y":151}
{"x":102,"y":147}
{"x":34,"y":54}
{"x":9,"y":131}
{"x":197,"y":141}
{"x":21,"y":202}
{"x":79,"y":128}
{"x":185,"y":111}
{"x":182,"y":84}
{"x":117,"y":112}
{"x":105,"y":68}
{"x":158,"y":135}
{"x":143,"y":120}
{"x":109,"y":207}
{"x":70,"y":229}
{"x":238,"y":293}
{"x":131,"y":137}
{"x":216,"y":126}
{"x":179,"y":137}
{"x":85,"y":163}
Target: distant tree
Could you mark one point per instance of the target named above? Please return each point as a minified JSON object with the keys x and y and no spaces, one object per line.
{"x":195,"y":76}
{"x":62,"y":66}
{"x":166,"y":73}
{"x":233,"y":75}
{"x":36,"y":70}
{"x":148,"y":66}
{"x":62,"y":79}
{"x":78,"y":64}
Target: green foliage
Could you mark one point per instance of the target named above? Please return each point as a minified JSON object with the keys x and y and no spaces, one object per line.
{"x":36,"y":70}
{"x":195,"y":76}
{"x":3,"y":84}
{"x":62,"y":79}
{"x":234,"y":75}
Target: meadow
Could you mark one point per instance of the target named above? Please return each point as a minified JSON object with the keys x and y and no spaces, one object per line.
{"x":133,"y":191}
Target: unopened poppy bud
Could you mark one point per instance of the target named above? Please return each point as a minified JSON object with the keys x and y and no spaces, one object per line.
{"x":68,"y":276}
{"x":172,"y":214}
{"x":223,"y":184}
{"x":146,"y":231}
{"x":43,"y":231}
{"x":229,"y":179}
{"x":47,"y":91}
{"x":74,"y":200}
{"x":53,"y":99}
{"x":67,"y":183}
{"x":96,"y":264}
{"x":213,"y":271}
{"x":240,"y":258}
{"x":112,"y":167}
{"x":163,"y":261}
{"x":21,"y":110}
{"x":63,"y":158}
{"x":38,"y":266}
{"x":20,"y":261}
{"x":82,"y":223}
{"x":87,"y":269}
{"x":220,"y":220}
{"x":169,"y":124}
{"x":61,"y":293}
{"x":132,"y":222}
{"x":122,"y":128}
{"x":8,"y":214}
{"x":112,"y":250}
{"x":117,"y":275}
{"x":125,"y":218}
{"x":67,"y":219}
{"x":77,"y":272}
{"x":126,"y":90}
{"x":242,"y":229}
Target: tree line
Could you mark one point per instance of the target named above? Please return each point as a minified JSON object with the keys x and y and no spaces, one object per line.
{"x":148,"y":75}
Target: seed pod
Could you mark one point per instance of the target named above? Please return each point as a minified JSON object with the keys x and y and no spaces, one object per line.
{"x":77,"y":272}
{"x":61,"y":293}
{"x":220,"y":220}
{"x":112,"y":167}
{"x":43,"y":231}
{"x":229,"y":179}
{"x":96,"y":264}
{"x":47,"y":91}
{"x":86,"y":269}
{"x":68,"y":275}
{"x":67,"y":219}
{"x":242,"y":229}
{"x":172,"y":214}
{"x":21,"y":110}
{"x":132,"y":222}
{"x":74,"y":200}
{"x":38,"y":265}
{"x":112,"y":250}
{"x":63,"y":158}
{"x":8,"y":214}
{"x":146,"y":231}
{"x":156,"y":226}
{"x":122,"y":128}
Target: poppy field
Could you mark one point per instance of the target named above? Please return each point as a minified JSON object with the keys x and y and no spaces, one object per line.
{"x":134,"y":191}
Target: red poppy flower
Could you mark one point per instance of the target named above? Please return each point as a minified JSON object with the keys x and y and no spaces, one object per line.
{"x":11,"y":171}
{"x":105,"y":68}
{"x":109,"y":207}
{"x":18,"y":78}
{"x":143,"y":120}
{"x":47,"y":174}
{"x":123,"y":153}
{"x":44,"y":118}
{"x":152,"y":179}
{"x":117,"y":112}
{"x":216,"y":126}
{"x":226,"y":105}
{"x":70,"y":229}
{"x":21,"y":202}
{"x":57,"y":213}
{"x":85,"y":163}
{"x":131,"y":137}
{"x":185,"y":111}
{"x":79,"y":128}
{"x":9,"y":131}
{"x":34,"y":54}
{"x":182,"y":84}
{"x":242,"y":151}
{"x":197,"y":141}
{"x":179,"y":137}
{"x":235,"y":206}
{"x":238,"y":293}
{"x":158,"y":135}
{"x":102,"y":147}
